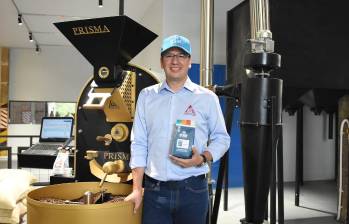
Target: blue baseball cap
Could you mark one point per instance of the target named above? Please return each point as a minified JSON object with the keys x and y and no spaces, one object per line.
{"x":176,"y":41}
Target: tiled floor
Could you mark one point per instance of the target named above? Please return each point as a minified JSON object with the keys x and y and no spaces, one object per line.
{"x":318,"y":204}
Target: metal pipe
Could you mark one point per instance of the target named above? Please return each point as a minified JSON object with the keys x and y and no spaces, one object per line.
{"x":264,"y":13}
{"x":260,"y":16}
{"x":299,"y":151}
{"x":259,"y":11}
{"x":336,"y":129}
{"x":330,"y":126}
{"x":217,"y":198}
{"x":340,"y":184}
{"x":273,"y":166}
{"x":267,"y":15}
{"x":206,"y":42}
{"x":121,"y":7}
{"x":280,"y":174}
{"x":252,"y":22}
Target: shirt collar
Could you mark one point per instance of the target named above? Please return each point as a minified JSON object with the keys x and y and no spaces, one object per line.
{"x":189,"y":85}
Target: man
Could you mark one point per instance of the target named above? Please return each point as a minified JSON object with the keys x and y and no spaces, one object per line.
{"x":175,"y":189}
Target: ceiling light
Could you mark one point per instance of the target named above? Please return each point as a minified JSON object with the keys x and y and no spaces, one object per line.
{"x":19,"y":19}
{"x":31,"y":37}
{"x":37,"y":49}
{"x":100,"y":3}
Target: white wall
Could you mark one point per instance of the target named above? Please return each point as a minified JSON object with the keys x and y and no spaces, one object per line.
{"x":289,"y":132}
{"x":319,"y":151}
{"x":55,"y":74}
{"x":22,"y":129}
{"x":150,"y":56}
{"x":183,"y":17}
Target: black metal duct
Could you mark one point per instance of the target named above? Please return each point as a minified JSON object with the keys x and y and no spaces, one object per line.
{"x":257,"y":117}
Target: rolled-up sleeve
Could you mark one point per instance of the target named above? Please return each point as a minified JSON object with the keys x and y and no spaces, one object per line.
{"x":139,"y":140}
{"x":219,"y":139}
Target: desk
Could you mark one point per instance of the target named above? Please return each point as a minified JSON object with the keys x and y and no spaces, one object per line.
{"x":9,"y":155}
{"x":38,"y":161}
{"x":42,"y":162}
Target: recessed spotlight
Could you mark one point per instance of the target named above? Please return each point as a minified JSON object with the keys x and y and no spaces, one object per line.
{"x":19,"y":19}
{"x":37,"y":49}
{"x":31,"y":37}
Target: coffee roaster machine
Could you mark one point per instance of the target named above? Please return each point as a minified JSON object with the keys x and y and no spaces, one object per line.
{"x":107,"y":104}
{"x":105,"y":112}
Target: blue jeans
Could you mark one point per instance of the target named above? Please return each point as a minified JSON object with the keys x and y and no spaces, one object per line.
{"x":175,"y":202}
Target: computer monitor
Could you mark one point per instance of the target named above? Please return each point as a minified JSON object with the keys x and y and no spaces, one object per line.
{"x":56,"y":129}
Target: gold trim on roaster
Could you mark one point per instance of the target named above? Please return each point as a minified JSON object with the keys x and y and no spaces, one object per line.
{"x":115,"y":108}
{"x":97,"y":170}
{"x":133,"y":95}
{"x":128,"y":92}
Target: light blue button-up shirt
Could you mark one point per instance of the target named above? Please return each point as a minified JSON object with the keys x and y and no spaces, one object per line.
{"x":158,"y":108}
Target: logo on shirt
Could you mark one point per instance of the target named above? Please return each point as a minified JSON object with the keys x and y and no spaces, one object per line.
{"x":190,"y":111}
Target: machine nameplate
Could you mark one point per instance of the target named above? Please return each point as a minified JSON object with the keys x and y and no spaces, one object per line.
{"x":89,"y":30}
{"x":116,"y":156}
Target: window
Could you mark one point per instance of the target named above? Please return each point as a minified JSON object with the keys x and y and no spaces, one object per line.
{"x":31,"y":112}
{"x":61,"y":109}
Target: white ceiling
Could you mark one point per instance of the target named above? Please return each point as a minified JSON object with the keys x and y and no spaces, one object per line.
{"x":39,"y":16}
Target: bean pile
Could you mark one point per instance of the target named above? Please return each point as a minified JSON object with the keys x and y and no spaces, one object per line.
{"x":57,"y":201}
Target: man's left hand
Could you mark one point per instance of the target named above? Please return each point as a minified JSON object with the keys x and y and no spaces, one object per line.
{"x":195,"y":160}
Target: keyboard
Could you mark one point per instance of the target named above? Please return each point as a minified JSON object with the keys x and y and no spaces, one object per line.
{"x":43,"y":149}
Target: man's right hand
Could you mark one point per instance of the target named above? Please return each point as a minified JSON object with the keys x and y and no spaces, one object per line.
{"x":136,"y":198}
{"x":137,"y":193}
